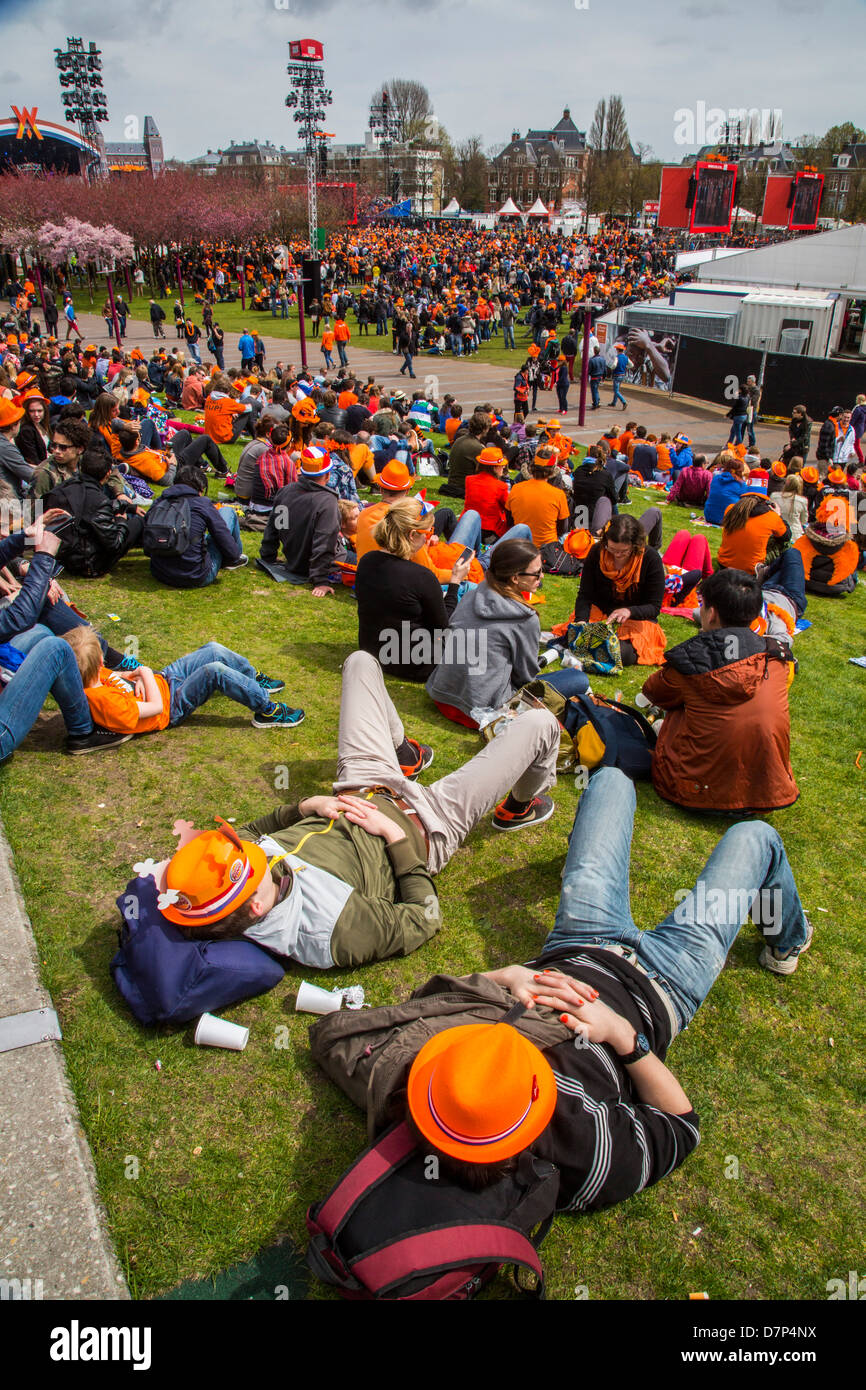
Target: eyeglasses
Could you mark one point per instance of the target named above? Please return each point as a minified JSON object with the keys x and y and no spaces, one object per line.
{"x":530,"y":574}
{"x":56,"y":445}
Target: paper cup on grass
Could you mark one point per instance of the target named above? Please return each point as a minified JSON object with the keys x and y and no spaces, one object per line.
{"x":218,"y":1032}
{"x":313,"y":1000}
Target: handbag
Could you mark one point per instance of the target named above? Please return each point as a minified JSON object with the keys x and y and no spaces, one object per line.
{"x":598,"y":647}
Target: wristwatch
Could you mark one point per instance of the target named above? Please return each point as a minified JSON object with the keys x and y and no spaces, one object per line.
{"x":641,"y":1049}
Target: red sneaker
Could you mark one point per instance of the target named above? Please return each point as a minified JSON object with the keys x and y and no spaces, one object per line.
{"x":540,"y":809}
{"x":425,"y":757}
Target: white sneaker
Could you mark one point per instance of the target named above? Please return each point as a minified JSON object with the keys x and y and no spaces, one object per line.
{"x":786,"y":965}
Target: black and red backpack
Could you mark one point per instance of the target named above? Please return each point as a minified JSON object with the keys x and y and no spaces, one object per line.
{"x":394,"y":1229}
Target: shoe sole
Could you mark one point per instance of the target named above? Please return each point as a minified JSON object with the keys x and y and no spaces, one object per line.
{"x":104,"y":748}
{"x":293,"y":725}
{"x":523,"y":824}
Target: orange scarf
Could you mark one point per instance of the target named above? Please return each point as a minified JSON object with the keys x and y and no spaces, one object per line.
{"x":626,"y":578}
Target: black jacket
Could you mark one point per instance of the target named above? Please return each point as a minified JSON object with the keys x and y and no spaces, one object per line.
{"x":644,"y":601}
{"x":306,"y":521}
{"x":190,"y":570}
{"x":826,"y":441}
{"x":98,"y":538}
{"x":588,"y":485}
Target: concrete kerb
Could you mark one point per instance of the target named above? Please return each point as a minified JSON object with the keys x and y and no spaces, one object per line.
{"x":54,"y":1241}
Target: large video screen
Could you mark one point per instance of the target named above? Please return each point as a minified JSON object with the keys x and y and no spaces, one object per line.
{"x":807,"y":201}
{"x":714,"y":199}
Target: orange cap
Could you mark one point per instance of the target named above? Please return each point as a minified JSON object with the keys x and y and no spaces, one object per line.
{"x":481,"y":1092}
{"x":211,"y":876}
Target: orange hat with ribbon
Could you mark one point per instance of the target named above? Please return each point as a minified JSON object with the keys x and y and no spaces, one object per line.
{"x":481,"y":1092}
{"x":394,"y":477}
{"x":490,"y":456}
{"x":210,"y":876}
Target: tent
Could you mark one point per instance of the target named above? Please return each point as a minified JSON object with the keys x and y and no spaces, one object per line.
{"x":453,"y":209}
{"x":538,"y":211}
{"x":509,"y":209}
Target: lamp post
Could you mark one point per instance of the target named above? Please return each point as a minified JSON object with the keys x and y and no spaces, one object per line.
{"x":107,"y":269}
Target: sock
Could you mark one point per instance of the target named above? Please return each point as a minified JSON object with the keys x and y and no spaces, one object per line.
{"x":406,"y":754}
{"x":514,"y":806}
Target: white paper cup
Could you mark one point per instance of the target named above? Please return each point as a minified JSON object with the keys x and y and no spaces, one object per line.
{"x":219,"y":1032}
{"x":313,"y":1000}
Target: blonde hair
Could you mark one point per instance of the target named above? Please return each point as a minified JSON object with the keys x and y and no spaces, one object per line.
{"x":793,"y":484}
{"x":87,"y":652}
{"x":401,"y":519}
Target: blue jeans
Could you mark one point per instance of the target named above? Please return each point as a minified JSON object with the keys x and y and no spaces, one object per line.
{"x":194,"y":352}
{"x":748,"y":869}
{"x":738,"y":429}
{"x":617,"y":394}
{"x":596,"y":398}
{"x":508,"y":335}
{"x":212,"y":670}
{"x":341,"y":352}
{"x":215,"y":555}
{"x":468,"y":532}
{"x":329,"y":361}
{"x":50,"y":666}
{"x":407,"y":362}
{"x":788,"y":575}
{"x":149,"y":435}
{"x":567,"y":682}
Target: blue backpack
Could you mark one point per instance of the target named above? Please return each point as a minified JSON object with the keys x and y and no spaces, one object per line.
{"x":165,"y":977}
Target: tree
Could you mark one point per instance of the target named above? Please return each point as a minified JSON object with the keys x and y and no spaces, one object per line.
{"x":466,"y":174}
{"x":410,"y":103}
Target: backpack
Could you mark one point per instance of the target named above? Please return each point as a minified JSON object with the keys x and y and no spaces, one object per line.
{"x":596,"y":732}
{"x":388,"y":1231}
{"x":167,"y":527}
{"x":165,"y":977}
{"x":556,"y":560}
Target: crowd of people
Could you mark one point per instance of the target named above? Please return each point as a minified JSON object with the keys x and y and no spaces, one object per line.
{"x":334,"y":472}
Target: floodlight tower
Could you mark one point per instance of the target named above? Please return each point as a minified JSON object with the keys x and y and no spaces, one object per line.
{"x":81,"y":90}
{"x":309,"y":97}
{"x":385,"y":125}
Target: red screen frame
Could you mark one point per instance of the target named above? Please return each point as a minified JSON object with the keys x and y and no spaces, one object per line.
{"x":723,"y":226}
{"x":806,"y":226}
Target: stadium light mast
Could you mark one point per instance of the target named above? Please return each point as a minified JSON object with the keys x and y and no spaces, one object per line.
{"x":308,"y":98}
{"x":385,"y":125}
{"x":84,"y":100}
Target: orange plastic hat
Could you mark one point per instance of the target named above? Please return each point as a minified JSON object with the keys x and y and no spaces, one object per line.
{"x":809,"y":474}
{"x":211,"y":876}
{"x":578,"y":544}
{"x":395,"y":477}
{"x":491,"y":455}
{"x":305,"y":411}
{"x":481,"y":1092}
{"x":780,"y":470}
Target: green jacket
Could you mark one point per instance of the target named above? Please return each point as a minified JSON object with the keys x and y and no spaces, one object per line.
{"x":393,"y":908}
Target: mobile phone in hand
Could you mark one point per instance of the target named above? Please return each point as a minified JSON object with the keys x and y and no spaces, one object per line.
{"x":466,"y":553}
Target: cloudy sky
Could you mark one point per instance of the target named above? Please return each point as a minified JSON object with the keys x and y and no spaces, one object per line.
{"x":215,"y":71}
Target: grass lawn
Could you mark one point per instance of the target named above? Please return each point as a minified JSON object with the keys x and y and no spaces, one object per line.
{"x":233,"y":1147}
{"x":233,"y":320}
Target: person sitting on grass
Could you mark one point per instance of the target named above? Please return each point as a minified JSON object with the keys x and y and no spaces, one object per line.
{"x":725,"y":742}
{"x":151,"y":464}
{"x":143,"y":701}
{"x":214,"y":536}
{"x":305,"y":522}
{"x":623,"y":583}
{"x":346,"y":878}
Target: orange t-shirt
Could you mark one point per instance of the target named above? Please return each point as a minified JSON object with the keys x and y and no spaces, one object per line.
{"x":427,"y":556}
{"x":743,"y":549}
{"x":346,"y":398}
{"x":361,"y":455}
{"x":539,"y":506}
{"x":149,"y":464}
{"x":218,"y":417}
{"x":452,"y":425}
{"x":113,"y":704}
{"x":328,"y":339}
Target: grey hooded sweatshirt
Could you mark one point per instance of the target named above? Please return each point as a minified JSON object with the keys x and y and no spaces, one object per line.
{"x":491,"y":651}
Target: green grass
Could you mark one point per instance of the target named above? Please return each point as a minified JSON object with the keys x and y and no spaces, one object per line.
{"x":233,"y":320}
{"x":772,"y":1091}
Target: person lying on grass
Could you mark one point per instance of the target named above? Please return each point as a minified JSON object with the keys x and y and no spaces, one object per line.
{"x":347,"y":878}
{"x":143,"y":701}
{"x":598,"y":1099}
